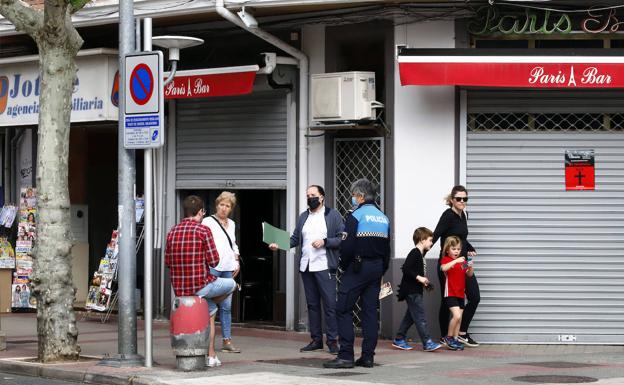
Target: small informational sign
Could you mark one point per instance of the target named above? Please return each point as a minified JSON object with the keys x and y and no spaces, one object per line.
{"x":579,"y":170}
{"x":144,"y":100}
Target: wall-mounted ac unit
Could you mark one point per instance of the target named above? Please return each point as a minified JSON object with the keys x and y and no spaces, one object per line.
{"x":343,"y":96}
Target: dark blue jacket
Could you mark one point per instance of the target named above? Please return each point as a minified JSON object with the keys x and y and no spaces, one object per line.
{"x":368,"y":235}
{"x":335,"y":228}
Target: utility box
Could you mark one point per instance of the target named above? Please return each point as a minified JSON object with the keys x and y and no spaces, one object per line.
{"x":342,"y":97}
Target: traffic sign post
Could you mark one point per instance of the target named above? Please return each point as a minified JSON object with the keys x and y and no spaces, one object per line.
{"x":144,"y":105}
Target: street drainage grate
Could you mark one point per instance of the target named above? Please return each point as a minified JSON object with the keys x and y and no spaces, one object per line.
{"x":557,"y":364}
{"x":342,"y":374}
{"x":305,"y":362}
{"x":554,"y":379}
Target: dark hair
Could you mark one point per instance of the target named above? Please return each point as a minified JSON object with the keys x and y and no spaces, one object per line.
{"x":320,"y":189}
{"x":454,"y":191}
{"x":191,"y":205}
{"x":421,"y":234}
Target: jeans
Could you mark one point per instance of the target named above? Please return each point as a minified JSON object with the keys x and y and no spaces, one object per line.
{"x":364,"y":285}
{"x":321,"y":286}
{"x":225,"y":307}
{"x":216,"y":288}
{"x":414,"y":315}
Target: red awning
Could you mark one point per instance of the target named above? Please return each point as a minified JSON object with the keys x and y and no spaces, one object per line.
{"x":512,"y":68}
{"x":225,"y":81}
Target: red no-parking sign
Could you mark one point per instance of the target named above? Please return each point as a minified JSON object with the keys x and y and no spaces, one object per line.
{"x":144,"y":100}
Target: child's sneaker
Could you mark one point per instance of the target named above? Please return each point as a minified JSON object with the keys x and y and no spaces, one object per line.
{"x":401,"y":344}
{"x":430,"y":346}
{"x":458,"y":345}
{"x":448,"y":342}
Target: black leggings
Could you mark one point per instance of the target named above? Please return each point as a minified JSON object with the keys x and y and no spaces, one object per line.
{"x":473,"y":295}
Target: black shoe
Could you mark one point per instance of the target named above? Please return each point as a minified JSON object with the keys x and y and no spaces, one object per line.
{"x":338,"y":363}
{"x":365,"y":363}
{"x":312,"y":346}
{"x":467,"y":340}
{"x":333,"y":347}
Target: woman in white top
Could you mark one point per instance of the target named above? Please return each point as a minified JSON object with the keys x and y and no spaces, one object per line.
{"x":224,"y":234}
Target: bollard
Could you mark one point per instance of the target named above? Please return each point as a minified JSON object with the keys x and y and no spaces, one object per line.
{"x":190,"y":328}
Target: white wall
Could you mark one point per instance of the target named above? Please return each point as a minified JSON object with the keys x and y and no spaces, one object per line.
{"x":313,"y":44}
{"x":424,"y":160}
{"x":424,"y":141}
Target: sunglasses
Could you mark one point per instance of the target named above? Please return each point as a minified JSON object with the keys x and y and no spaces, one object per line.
{"x":461,"y":199}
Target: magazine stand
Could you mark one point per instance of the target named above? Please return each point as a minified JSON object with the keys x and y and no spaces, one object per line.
{"x":113,"y":302}
{"x":103,"y":293}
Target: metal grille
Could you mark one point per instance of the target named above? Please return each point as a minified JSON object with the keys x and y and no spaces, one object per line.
{"x":355,"y":159}
{"x":546,"y":122}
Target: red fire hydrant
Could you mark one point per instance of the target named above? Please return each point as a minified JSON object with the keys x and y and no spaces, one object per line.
{"x":190,"y":328}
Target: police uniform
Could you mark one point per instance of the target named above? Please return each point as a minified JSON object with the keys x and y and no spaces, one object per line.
{"x":364,"y":253}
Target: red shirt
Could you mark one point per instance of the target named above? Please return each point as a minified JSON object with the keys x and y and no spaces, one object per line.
{"x":190,"y":253}
{"x":455,"y":285}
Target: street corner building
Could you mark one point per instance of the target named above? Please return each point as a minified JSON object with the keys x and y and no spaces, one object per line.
{"x":520,"y":103}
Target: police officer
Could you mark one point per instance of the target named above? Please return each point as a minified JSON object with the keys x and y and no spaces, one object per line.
{"x":365,"y":254}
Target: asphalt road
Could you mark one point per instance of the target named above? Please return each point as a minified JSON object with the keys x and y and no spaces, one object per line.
{"x":12,"y":379}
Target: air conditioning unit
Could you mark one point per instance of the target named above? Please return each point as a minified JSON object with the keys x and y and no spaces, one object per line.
{"x":343,"y":96}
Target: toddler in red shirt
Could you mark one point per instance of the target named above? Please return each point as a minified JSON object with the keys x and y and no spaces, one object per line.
{"x":455,"y":269}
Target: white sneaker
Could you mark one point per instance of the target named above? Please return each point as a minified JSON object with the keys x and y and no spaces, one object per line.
{"x":211,"y":362}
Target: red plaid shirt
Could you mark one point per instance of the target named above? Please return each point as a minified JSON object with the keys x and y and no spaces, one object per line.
{"x":190,"y":253}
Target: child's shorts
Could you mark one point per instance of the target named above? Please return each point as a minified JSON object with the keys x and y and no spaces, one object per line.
{"x":454,"y":301}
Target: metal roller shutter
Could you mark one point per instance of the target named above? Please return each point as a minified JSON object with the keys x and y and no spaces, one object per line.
{"x":235,"y":141}
{"x":550,"y":262}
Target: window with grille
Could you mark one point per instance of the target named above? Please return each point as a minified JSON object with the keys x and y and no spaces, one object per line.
{"x":547,"y":122}
{"x":356,"y":158}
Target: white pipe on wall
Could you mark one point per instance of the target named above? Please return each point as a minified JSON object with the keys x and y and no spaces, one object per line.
{"x":302,"y":58}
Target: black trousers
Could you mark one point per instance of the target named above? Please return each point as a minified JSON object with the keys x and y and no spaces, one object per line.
{"x":473,"y":296}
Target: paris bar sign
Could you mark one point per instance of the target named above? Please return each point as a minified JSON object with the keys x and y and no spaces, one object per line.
{"x":579,"y":170}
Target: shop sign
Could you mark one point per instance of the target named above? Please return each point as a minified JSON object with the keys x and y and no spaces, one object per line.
{"x":490,"y":69}
{"x":579,"y":170}
{"x":20,"y":87}
{"x":211,"y":82}
{"x":492,"y":20}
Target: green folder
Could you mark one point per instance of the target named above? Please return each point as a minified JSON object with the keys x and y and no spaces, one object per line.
{"x":271,"y":234}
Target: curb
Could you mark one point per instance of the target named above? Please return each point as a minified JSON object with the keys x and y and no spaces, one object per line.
{"x":79,"y":375}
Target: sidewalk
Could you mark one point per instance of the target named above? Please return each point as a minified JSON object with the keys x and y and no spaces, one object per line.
{"x":273,"y":357}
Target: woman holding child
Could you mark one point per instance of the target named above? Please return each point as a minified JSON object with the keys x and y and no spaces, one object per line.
{"x":453,"y":222}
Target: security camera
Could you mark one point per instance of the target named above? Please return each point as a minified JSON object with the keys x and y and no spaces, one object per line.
{"x":247,"y":18}
{"x":267,"y":62}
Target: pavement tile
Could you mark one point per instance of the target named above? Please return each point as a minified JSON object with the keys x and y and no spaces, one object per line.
{"x":267,"y":357}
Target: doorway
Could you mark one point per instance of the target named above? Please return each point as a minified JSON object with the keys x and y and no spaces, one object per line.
{"x":262,"y":278}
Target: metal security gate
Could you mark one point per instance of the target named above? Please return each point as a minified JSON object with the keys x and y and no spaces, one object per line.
{"x":232,"y":142}
{"x":550,"y":262}
{"x":356,"y":158}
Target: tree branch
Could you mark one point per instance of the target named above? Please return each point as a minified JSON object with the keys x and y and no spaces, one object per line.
{"x":23,"y":17}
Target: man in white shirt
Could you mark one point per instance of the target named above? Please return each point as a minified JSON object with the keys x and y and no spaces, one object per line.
{"x":318,"y":235}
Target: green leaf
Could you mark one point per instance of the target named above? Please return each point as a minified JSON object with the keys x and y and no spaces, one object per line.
{"x":78,"y":4}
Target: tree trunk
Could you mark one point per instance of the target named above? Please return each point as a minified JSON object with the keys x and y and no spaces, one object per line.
{"x":52,"y":283}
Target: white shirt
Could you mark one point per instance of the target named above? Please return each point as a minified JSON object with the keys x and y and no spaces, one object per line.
{"x":227,"y":259}
{"x":313,"y":229}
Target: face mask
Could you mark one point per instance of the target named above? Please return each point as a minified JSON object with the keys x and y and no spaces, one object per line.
{"x":314,"y":202}
{"x":354,"y":202}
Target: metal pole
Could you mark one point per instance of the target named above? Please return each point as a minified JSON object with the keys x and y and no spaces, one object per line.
{"x":147,"y":243}
{"x":127,"y":326}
